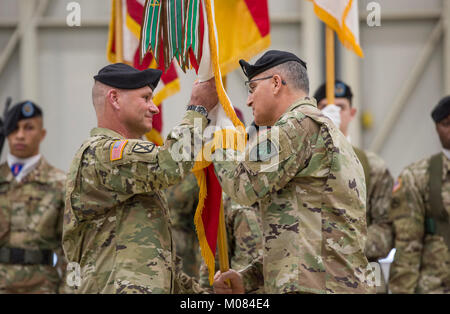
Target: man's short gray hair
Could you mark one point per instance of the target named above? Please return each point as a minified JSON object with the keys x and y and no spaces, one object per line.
{"x":294,"y":74}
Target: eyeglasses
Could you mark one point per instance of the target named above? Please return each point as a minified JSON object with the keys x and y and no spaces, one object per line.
{"x":252,"y":89}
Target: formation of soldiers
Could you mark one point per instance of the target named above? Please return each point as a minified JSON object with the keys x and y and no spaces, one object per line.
{"x":315,"y":223}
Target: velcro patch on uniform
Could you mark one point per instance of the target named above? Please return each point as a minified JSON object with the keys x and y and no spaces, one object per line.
{"x":143,"y":148}
{"x":117,"y":150}
{"x":263,"y":151}
{"x":397,"y":185}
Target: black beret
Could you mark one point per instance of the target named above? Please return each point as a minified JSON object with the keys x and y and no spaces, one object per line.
{"x":20,"y":111}
{"x":341,"y":90}
{"x":123,"y":76}
{"x":442,"y":110}
{"x":268,"y":60}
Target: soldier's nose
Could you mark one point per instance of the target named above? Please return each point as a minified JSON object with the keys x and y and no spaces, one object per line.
{"x":154,"y":109}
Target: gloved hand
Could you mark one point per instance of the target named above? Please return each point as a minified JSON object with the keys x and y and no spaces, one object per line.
{"x":333,"y":112}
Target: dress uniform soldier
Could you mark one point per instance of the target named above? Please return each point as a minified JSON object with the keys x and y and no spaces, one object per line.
{"x":309,"y":185}
{"x":420,"y":214}
{"x":379,"y":181}
{"x":31,"y":207}
{"x":117,"y":225}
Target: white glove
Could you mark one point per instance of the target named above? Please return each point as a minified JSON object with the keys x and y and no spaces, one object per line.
{"x":333,"y":112}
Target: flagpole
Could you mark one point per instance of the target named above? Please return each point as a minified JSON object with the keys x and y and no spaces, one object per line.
{"x":222,"y":242}
{"x":330,"y":59}
{"x":119,"y":30}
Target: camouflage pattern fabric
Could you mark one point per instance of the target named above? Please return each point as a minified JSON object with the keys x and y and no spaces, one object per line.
{"x":313,"y":206}
{"x":244,"y":235}
{"x":379,"y":194}
{"x":31,"y":213}
{"x":117,"y":224}
{"x":182,"y":200}
{"x":422,"y":261}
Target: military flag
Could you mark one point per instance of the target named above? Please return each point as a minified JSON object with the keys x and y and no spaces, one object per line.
{"x":243,"y":28}
{"x":187,"y":32}
{"x":123,"y":46}
{"x":341,"y":16}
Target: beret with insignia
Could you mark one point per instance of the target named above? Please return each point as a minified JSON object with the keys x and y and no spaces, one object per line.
{"x":20,"y":111}
{"x":442,"y":110}
{"x":123,"y":76}
{"x":341,"y":90}
{"x":268,"y":60}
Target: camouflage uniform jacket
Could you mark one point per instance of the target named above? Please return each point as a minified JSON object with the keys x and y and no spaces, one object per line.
{"x":244,"y":235}
{"x":379,"y":194}
{"x":116,"y":222}
{"x":182,"y":200}
{"x":312,"y":203}
{"x":31,"y":213}
{"x":422,"y":261}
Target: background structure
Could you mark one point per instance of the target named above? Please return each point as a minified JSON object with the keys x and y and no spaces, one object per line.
{"x":406,"y":70}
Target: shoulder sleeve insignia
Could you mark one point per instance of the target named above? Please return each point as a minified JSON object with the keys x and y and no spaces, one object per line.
{"x":143,"y":148}
{"x":117,"y":150}
{"x":263,"y":151}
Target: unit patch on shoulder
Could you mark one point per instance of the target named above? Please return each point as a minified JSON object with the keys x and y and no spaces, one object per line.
{"x":143,"y":148}
{"x":117,"y":150}
{"x":263,"y":151}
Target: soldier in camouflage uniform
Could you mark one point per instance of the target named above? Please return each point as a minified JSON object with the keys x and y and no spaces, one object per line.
{"x":420,"y":213}
{"x":116,"y":224}
{"x":309,"y":185}
{"x":182,"y":200}
{"x":31,"y":208}
{"x":379,"y":181}
{"x":244,"y":235}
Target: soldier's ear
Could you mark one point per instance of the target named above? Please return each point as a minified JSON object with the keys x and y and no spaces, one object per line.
{"x":43,"y":134}
{"x":277,"y":82}
{"x":112,"y":97}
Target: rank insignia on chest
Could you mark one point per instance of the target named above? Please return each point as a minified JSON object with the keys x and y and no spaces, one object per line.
{"x":143,"y":148}
{"x":117,"y":150}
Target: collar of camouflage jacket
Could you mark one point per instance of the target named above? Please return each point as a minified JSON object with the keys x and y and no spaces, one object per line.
{"x":445,"y":166}
{"x":38,"y":174}
{"x":105,"y":132}
{"x":306,"y":101}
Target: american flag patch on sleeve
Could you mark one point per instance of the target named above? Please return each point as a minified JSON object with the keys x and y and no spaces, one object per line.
{"x":117,"y":150}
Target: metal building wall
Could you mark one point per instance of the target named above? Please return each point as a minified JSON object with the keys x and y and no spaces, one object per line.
{"x":61,"y":61}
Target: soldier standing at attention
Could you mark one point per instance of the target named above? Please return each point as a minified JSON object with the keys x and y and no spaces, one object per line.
{"x":379,"y":181}
{"x":312,"y":199}
{"x":116,"y":224}
{"x":31,"y":207}
{"x":420,"y":214}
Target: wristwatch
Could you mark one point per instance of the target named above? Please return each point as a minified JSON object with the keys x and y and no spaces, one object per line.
{"x":199,"y":109}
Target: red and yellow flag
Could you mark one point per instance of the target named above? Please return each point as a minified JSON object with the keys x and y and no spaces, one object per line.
{"x":123,"y":46}
{"x":213,"y":49}
{"x":243,"y":30}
